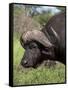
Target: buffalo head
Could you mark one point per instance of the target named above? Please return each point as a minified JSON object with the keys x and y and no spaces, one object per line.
{"x":37,"y":48}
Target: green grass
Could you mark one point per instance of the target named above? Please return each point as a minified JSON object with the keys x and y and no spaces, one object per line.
{"x":40,"y":75}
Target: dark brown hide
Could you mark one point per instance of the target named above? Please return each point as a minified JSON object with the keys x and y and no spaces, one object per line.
{"x":55,"y":31}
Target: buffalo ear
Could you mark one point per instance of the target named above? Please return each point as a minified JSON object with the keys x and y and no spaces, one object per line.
{"x":45,"y":52}
{"x":48,"y":51}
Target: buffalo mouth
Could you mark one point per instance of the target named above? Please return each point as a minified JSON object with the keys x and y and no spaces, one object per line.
{"x":26,"y":65}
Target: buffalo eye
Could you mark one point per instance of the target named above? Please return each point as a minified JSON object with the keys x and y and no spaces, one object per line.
{"x":31,"y":46}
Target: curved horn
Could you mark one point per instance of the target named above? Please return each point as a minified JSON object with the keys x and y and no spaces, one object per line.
{"x":38,"y":36}
{"x":54,"y":33}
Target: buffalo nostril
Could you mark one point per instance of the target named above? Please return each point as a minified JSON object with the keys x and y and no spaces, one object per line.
{"x":24,"y":62}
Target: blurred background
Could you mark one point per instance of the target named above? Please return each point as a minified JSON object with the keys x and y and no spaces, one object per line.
{"x":30,"y":17}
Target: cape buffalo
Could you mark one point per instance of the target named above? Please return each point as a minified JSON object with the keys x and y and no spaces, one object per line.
{"x":48,"y":43}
